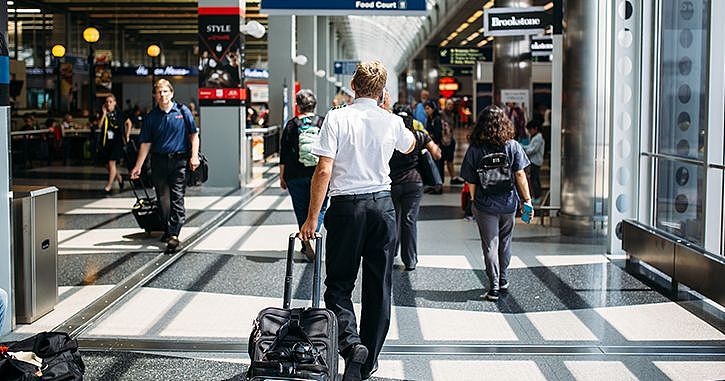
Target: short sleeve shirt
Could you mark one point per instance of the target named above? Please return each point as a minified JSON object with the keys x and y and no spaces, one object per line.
{"x":494,"y":204}
{"x":168,"y":131}
{"x":361,"y":139}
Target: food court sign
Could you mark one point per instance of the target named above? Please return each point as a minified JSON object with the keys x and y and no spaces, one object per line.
{"x":344,"y":7}
{"x":515,"y":21}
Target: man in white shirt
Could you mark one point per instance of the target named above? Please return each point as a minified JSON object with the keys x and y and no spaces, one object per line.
{"x":355,"y":146}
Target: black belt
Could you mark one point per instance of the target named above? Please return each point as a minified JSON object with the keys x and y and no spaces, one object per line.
{"x":173,"y":155}
{"x":363,"y":196}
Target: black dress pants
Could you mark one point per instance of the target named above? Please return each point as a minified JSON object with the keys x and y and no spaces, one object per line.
{"x":406,"y":198}
{"x":360,"y":228}
{"x":169,"y":177}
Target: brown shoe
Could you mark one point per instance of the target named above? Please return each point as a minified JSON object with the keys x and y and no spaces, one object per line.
{"x":172,"y":244}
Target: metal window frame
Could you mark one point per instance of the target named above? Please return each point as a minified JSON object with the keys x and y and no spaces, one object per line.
{"x":715,"y":137}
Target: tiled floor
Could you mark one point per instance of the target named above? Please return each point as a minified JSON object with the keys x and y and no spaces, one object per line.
{"x":565,"y":294}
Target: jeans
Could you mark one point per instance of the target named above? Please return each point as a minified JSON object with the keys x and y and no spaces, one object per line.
{"x":299,"y":190}
{"x":496,"y":231}
{"x":169,"y":177}
{"x":360,"y":230}
{"x":406,"y":198}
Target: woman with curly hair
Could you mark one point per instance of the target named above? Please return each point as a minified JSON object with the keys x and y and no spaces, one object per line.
{"x":493,"y":164}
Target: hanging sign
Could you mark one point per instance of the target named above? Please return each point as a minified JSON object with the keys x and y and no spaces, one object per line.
{"x":515,"y":21}
{"x":345,"y":67}
{"x":461,"y":56}
{"x":542,"y":46}
{"x":344,"y":7}
{"x":518,"y":96}
{"x":447,"y":86}
{"x":220,"y":58}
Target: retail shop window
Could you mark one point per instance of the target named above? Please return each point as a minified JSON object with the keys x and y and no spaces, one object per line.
{"x":682,"y":118}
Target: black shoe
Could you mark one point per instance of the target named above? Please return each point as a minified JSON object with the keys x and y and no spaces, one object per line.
{"x":457,"y":180}
{"x":503,"y":286}
{"x":172,"y":244}
{"x":409,"y":268}
{"x":491,"y":295}
{"x":120,"y":185}
{"x":165,"y":238}
{"x":367,"y":375}
{"x":354,"y":361}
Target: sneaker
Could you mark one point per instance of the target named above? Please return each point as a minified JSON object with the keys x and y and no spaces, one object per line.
{"x":457,"y":180}
{"x":491,"y":295}
{"x":354,"y":361}
{"x":308,"y":251}
{"x":503,"y":286}
{"x":172,"y":244}
{"x":469,"y":218}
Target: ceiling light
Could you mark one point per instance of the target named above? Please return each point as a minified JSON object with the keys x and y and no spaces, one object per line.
{"x":484,"y":42}
{"x":490,"y":38}
{"x":444,"y":43}
{"x":474,"y":17}
{"x":24,"y":10}
{"x":488,"y":5}
{"x":549,"y":6}
{"x":462,"y":27}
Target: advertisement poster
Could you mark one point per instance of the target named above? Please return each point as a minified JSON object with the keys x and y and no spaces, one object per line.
{"x":104,"y":79}
{"x":220,"y":57}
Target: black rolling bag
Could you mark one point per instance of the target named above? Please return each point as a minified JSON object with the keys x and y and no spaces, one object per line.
{"x":295,"y":344}
{"x":146,"y":210}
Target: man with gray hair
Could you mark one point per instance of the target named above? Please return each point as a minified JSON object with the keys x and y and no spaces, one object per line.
{"x":355,"y":146}
{"x":297,"y":163}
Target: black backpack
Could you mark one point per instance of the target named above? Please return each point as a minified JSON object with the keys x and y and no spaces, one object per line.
{"x":59,"y":355}
{"x":494,"y":172}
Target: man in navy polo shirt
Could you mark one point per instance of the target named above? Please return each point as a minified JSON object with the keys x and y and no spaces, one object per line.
{"x":170,"y":134}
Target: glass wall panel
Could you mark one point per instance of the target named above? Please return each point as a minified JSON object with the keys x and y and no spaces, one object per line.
{"x":683,"y":82}
{"x":680,"y":192}
{"x":682,"y":123}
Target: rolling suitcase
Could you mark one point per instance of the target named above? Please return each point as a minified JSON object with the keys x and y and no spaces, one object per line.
{"x":295,"y":344}
{"x":146,"y":210}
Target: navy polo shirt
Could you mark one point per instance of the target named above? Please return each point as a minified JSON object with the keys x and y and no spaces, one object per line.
{"x":168,"y":131}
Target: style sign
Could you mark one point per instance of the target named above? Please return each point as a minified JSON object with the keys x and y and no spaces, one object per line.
{"x":344,"y":7}
{"x":515,"y":21}
{"x":220,"y":47}
{"x":345,"y":67}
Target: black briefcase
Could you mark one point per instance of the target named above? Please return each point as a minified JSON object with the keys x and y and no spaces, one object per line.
{"x":295,"y":344}
{"x":200,"y":175}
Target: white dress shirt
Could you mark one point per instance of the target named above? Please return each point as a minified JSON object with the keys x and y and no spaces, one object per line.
{"x":360,"y":138}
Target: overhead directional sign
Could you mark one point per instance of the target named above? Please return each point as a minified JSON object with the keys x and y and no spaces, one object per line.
{"x":515,"y":21}
{"x":344,"y":7}
{"x":345,"y":67}
{"x":461,"y":56}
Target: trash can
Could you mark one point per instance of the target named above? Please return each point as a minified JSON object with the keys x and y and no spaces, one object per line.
{"x":35,"y":233}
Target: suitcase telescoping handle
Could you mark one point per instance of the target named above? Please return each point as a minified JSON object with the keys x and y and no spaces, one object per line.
{"x":133,"y":187}
{"x":316,"y":275}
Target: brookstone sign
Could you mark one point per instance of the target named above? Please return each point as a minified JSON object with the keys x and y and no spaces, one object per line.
{"x":515,"y":21}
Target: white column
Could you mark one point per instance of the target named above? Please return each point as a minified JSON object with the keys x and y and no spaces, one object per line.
{"x":307,"y":45}
{"x":281,"y":48}
{"x":6,"y":271}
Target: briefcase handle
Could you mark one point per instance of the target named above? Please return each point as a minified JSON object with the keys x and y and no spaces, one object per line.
{"x":316,"y":274}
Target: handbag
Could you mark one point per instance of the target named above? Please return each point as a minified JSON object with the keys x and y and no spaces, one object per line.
{"x":428,"y":169}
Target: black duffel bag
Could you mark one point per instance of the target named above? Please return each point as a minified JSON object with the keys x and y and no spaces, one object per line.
{"x":56,"y":351}
{"x":428,"y":169}
{"x":200,"y":175}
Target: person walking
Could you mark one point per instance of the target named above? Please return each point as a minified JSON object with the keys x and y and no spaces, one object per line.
{"x":115,"y":132}
{"x":355,"y":146}
{"x":170,"y":135}
{"x":407,"y":189}
{"x":297,"y":163}
{"x":434,"y":126}
{"x":420,"y":113}
{"x":494,"y":195}
{"x":535,"y":152}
